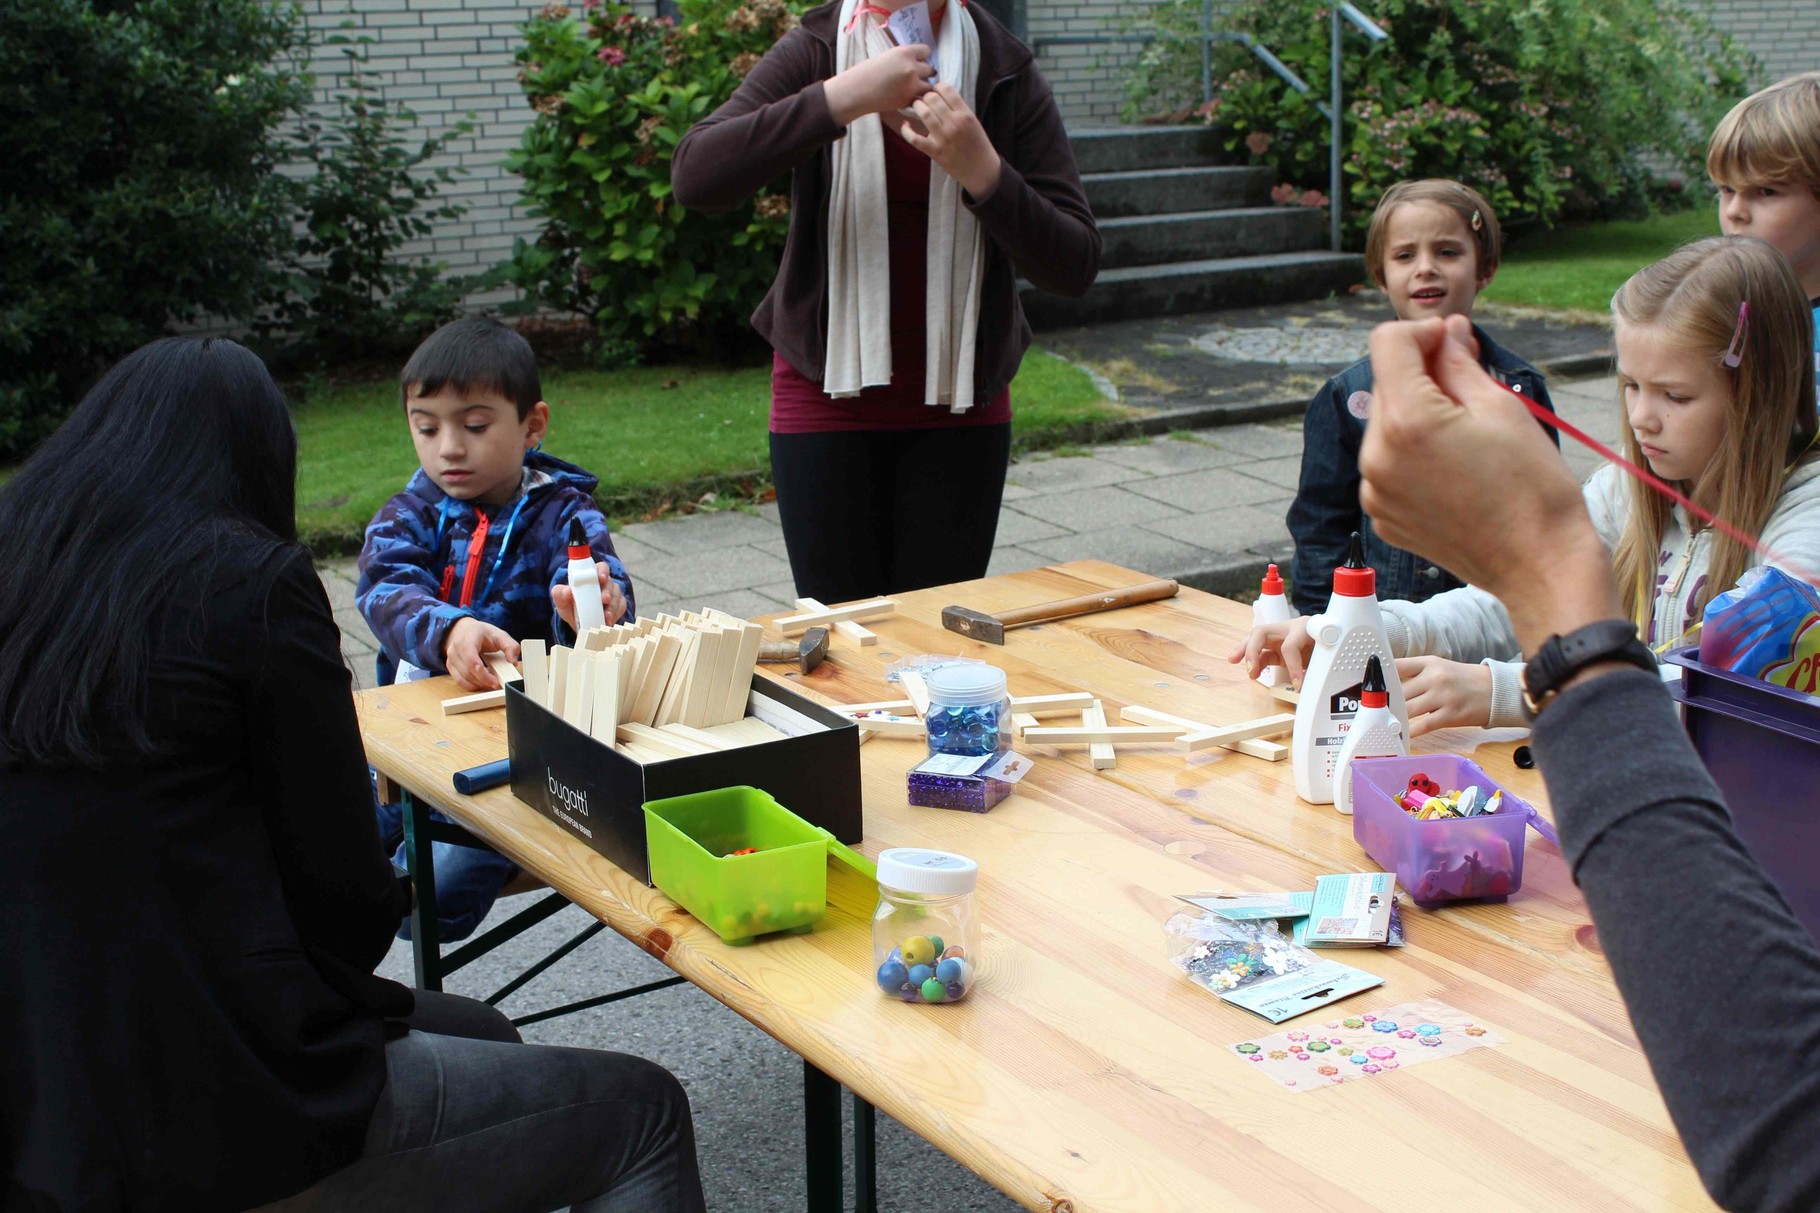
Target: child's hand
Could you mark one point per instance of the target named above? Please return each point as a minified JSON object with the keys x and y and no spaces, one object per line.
{"x":1443,"y":694}
{"x":1285,"y":644}
{"x":612,"y":600}
{"x":462,"y":653}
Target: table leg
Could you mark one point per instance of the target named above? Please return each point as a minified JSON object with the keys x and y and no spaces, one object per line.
{"x":821,"y":1140}
{"x":865,"y":1156}
{"x":426,"y":943}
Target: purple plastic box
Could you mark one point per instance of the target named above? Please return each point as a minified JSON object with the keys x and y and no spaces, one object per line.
{"x":1761,"y":743}
{"x":1452,"y":859}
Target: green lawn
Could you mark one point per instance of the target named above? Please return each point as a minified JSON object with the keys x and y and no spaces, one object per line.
{"x":654,"y":435}
{"x":1583,"y":266}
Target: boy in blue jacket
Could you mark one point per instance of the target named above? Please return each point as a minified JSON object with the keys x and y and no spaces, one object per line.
{"x":472,"y":557}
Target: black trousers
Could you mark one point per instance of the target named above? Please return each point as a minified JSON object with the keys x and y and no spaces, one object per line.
{"x":875,"y":512}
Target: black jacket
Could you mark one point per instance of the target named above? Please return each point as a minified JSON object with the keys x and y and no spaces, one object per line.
{"x":187,"y":943}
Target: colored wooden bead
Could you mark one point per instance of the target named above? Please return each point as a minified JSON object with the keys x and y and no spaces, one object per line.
{"x":891,"y":976}
{"x":934,"y":991}
{"x":948,"y":971}
{"x":919,"y":974}
{"x":918,"y":950}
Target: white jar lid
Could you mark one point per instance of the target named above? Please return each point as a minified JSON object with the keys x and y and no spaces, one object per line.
{"x":915,"y":870}
{"x":966,"y":684}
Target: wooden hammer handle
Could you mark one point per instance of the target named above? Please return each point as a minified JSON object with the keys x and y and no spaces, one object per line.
{"x":1087,"y":604}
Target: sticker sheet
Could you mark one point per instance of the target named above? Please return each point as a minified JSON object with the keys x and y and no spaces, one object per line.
{"x":1359,"y":1047}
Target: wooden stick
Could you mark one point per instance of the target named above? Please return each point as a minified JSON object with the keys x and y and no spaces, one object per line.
{"x":473,"y":703}
{"x":503,"y":669}
{"x":917,"y":689}
{"x":603,"y":722}
{"x":873,"y":609}
{"x":1103,"y":756}
{"x":703,"y":738}
{"x":1114,"y":735}
{"x":537,"y":670}
{"x":665,"y":648}
{"x":863,"y":637}
{"x":1286,"y":694}
{"x":675,"y":690}
{"x":1021,"y":721}
{"x":1269,"y":751}
{"x":892,"y":726}
{"x":661,"y":740}
{"x":883,"y":705}
{"x":558,"y":690}
{"x":1267,"y":726}
{"x":745,"y":661}
{"x":578,"y":706}
{"x":1052,"y":705}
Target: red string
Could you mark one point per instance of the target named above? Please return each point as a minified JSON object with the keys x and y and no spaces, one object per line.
{"x":1661,"y":486}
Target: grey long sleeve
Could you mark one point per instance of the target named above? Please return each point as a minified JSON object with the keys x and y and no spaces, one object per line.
{"x":1722,"y":981}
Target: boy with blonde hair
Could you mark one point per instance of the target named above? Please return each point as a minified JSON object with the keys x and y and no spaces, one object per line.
{"x":1765,"y":158}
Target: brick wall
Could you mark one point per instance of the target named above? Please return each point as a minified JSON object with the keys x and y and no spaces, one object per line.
{"x":1784,"y":34}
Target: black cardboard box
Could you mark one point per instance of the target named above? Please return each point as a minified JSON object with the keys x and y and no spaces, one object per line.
{"x":598,"y":794}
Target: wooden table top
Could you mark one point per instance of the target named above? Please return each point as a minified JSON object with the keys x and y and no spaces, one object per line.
{"x":1085,"y":1072}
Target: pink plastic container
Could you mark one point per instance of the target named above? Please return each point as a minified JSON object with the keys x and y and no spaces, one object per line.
{"x":1454,"y":859}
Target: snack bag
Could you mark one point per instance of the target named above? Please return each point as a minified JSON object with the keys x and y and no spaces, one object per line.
{"x":1767,"y":628}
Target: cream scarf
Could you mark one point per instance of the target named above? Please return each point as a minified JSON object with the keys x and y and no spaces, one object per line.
{"x":859,"y":265}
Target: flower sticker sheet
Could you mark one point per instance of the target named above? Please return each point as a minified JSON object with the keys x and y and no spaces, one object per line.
{"x":1369,"y":1046}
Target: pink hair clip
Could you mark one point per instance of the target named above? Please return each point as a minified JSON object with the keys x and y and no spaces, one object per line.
{"x":1734,"y":354}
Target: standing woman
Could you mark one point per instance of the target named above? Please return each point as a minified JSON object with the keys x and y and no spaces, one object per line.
{"x":924,"y":182}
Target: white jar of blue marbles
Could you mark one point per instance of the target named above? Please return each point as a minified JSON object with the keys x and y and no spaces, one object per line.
{"x":925,"y":932}
{"x":969,"y":709}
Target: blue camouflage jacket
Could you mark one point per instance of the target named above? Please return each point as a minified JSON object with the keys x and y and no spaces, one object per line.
{"x":418,"y":536}
{"x":1326,"y":508}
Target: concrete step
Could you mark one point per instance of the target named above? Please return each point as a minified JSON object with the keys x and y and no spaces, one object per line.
{"x":1168,"y":190}
{"x":1204,"y":235}
{"x":1116,"y":149}
{"x":1197,"y":286}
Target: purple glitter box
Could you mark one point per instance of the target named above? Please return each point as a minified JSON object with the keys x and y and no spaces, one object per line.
{"x":971,"y":783}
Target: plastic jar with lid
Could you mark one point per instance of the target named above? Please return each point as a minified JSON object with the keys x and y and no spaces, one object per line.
{"x":925,"y":932}
{"x":969,"y":709}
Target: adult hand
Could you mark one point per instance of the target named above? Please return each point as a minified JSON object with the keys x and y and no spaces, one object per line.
{"x":1286,"y":644}
{"x":1443,"y":694}
{"x":612,"y":599}
{"x":882,"y":84}
{"x":462,"y":653}
{"x":1455,"y":468}
{"x":952,"y":136}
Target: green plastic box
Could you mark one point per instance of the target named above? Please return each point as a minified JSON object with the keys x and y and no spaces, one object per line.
{"x":783,"y":886}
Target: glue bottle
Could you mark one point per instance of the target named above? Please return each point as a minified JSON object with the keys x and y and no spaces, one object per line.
{"x":584,"y":580}
{"x":1346,"y":635}
{"x":1375,"y":733}
{"x":1272,"y":607}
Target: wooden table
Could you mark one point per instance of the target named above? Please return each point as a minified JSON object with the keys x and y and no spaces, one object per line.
{"x":1085,"y":1072}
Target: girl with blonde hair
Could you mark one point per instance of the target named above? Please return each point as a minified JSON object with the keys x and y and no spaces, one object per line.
{"x":1719,"y":401}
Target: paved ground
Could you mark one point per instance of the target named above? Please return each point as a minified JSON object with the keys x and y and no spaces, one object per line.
{"x":1206,"y":506}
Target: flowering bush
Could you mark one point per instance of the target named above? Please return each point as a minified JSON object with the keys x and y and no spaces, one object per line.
{"x":1551,"y":108}
{"x":614,"y":92}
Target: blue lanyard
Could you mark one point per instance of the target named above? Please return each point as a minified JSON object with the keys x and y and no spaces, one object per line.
{"x":442,"y":521}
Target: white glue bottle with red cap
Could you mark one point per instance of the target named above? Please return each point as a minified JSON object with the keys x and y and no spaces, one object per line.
{"x":1272,"y":607}
{"x":584,"y":581}
{"x":1346,"y":635}
{"x":1375,"y":733}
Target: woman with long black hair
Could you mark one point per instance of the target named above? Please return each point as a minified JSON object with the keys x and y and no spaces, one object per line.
{"x":925,"y":181}
{"x":195,"y":891}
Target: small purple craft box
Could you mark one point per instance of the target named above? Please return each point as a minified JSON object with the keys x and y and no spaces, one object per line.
{"x":1449,"y":859}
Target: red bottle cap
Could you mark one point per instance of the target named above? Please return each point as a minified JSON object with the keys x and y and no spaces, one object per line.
{"x":1273,"y":584}
{"x":1355,"y":578}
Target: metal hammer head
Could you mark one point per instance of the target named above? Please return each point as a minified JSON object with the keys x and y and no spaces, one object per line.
{"x":976,"y":625}
{"x":814,"y":648}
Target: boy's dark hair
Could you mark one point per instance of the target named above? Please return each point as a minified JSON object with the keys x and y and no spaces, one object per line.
{"x":476,"y":353}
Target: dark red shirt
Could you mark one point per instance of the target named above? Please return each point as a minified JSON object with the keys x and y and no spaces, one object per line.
{"x":798,"y":404}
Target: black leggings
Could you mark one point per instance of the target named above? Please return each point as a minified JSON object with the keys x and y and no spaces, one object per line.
{"x":870,"y":512}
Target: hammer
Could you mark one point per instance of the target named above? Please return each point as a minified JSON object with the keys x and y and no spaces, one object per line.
{"x":991,"y":628}
{"x":811,"y":651}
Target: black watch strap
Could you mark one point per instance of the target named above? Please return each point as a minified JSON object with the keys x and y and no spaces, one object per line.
{"x":1561,"y":657}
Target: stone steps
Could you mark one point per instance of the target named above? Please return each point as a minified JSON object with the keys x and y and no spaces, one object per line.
{"x":1197,"y":286}
{"x":1206,"y":235}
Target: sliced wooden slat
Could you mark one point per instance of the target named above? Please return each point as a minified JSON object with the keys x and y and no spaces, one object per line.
{"x":1269,"y":751}
{"x":662,"y":740}
{"x":917,"y":689}
{"x":477,"y":702}
{"x":503,"y":669}
{"x":875,"y":608}
{"x":537,"y":670}
{"x":558,"y":694}
{"x":1266,"y":726}
{"x":1114,"y":735}
{"x":1100,"y":753}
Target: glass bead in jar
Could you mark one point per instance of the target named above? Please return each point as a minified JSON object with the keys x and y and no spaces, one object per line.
{"x":969,"y":709}
{"x":925,"y":932}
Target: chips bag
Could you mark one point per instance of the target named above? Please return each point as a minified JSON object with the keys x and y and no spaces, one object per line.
{"x":1768,"y":627}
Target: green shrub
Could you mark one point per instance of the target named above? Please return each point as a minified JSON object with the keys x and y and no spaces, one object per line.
{"x":1551,"y":108}
{"x":614,"y":93}
{"x":141,"y":145}
{"x":350,"y":291}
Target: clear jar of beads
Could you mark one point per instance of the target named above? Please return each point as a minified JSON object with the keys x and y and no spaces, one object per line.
{"x":925,"y":932}
{"x":969,"y":709}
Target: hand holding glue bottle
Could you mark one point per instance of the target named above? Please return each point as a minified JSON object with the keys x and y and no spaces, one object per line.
{"x":1272,"y":606}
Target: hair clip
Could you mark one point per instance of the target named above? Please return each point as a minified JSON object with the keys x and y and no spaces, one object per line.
{"x":1477,"y":221}
{"x":1734,"y":353}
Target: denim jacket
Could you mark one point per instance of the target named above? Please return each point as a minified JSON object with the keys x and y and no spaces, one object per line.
{"x":1326,"y":508}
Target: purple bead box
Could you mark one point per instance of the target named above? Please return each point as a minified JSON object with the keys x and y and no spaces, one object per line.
{"x":970,"y":793}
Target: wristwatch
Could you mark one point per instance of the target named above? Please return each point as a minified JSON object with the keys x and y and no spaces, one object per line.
{"x":1561,"y":657}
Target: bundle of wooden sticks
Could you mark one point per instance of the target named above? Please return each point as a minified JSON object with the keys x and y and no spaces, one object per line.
{"x":668,"y":687}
